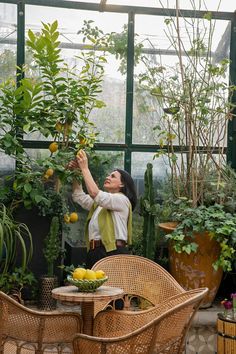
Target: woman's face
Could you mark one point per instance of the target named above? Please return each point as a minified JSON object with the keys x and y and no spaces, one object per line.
{"x":113,"y":182}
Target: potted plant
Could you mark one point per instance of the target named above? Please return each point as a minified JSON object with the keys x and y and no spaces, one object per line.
{"x":194,"y":95}
{"x":16,"y":249}
{"x":52,"y":250}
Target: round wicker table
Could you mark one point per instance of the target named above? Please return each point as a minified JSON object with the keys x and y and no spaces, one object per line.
{"x":71,"y":294}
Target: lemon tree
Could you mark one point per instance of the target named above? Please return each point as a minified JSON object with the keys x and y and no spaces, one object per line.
{"x":57,"y":105}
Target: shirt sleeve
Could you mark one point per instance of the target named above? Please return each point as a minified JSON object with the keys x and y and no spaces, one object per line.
{"x":112,"y":201}
{"x":83,"y":199}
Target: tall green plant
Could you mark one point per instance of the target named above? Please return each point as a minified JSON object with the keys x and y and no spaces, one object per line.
{"x":52,"y":248}
{"x":15,"y":239}
{"x":148,"y":211}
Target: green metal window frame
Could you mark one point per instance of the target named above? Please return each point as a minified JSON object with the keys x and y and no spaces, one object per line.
{"x":128,"y":147}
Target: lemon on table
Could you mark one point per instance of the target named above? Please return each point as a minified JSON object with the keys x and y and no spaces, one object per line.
{"x":78,"y":273}
{"x":90,"y":274}
{"x":100,"y":274}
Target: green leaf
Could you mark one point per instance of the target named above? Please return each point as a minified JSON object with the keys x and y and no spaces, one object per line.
{"x":38,"y":198}
{"x":27,"y":188}
{"x":31,"y":36}
{"x":54,"y":26}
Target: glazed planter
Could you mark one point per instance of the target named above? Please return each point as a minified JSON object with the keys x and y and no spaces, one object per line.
{"x":195,"y":270}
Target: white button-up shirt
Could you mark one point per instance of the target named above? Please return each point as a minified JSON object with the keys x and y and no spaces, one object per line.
{"x":119,"y":205}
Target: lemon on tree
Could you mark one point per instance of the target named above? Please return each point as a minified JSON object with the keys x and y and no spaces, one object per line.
{"x":53,"y":147}
{"x":78,"y":152}
{"x":67,"y":218}
{"x":73,"y":217}
{"x":83,"y":141}
{"x":90,"y":274}
{"x":100,"y":274}
{"x":49,"y":172}
{"x":78,"y":273}
{"x":59,"y":127}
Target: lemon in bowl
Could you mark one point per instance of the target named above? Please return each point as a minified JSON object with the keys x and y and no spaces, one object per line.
{"x":87,"y":280}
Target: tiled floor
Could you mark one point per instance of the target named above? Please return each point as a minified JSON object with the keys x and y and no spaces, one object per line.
{"x":202,"y":336}
{"x":201,"y":340}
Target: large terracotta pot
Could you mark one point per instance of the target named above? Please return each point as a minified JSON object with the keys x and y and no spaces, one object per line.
{"x":195,"y":270}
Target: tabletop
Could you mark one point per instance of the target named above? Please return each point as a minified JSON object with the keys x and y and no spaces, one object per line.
{"x":70,"y":293}
{"x":229,"y":318}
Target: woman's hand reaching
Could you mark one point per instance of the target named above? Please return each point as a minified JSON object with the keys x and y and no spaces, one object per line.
{"x":72,"y":165}
{"x":82,"y":160}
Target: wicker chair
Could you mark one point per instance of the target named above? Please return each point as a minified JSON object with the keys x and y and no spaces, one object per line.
{"x":163,"y":333}
{"x":23,"y":330}
{"x":117,"y":323}
{"x":140,"y":278}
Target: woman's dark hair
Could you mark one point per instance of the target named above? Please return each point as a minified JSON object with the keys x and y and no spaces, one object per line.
{"x":129,"y":188}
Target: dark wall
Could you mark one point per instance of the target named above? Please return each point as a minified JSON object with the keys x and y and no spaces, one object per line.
{"x":75,"y":255}
{"x":39,"y":227}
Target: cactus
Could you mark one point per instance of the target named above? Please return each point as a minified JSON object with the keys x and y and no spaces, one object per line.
{"x":52,"y":247}
{"x":147,"y":208}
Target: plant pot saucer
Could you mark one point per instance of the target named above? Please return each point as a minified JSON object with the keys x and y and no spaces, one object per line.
{"x":168,"y":226}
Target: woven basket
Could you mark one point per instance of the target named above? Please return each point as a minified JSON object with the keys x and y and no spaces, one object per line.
{"x":85,"y":285}
{"x":226,"y":339}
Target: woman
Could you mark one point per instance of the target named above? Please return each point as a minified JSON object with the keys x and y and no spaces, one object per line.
{"x":108,"y":229}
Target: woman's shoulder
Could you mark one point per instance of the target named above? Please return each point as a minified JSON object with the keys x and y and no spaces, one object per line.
{"x":117,"y":195}
{"x":123,"y":198}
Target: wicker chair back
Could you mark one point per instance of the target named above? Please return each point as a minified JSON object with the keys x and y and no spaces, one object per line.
{"x":33,"y":331}
{"x":163,"y":334}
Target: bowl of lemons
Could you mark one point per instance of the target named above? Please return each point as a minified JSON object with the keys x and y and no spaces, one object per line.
{"x":87,"y":280}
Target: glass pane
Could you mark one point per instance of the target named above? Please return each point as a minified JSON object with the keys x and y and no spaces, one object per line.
{"x":7,"y":68}
{"x":139,"y":165}
{"x":35,"y":154}
{"x":7,"y":41}
{"x":164,"y":71}
{"x":112,"y":116}
{"x":7,"y":164}
{"x":211,"y":5}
